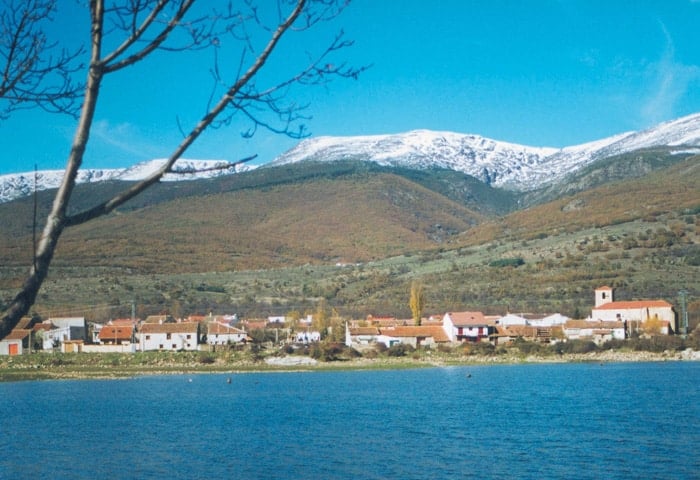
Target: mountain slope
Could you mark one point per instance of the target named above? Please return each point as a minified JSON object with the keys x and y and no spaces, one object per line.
{"x":351,"y":218}
{"x":501,"y":164}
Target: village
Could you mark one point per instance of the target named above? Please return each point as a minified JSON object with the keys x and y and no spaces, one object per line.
{"x":609,"y":320}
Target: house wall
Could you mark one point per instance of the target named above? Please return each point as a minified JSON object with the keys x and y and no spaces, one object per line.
{"x":14,"y":346}
{"x":122,"y":348}
{"x":160,"y":341}
{"x":635,"y":314}
{"x":449,"y":328}
{"x":225,"y":338}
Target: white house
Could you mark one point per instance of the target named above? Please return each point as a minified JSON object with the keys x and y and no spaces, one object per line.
{"x":597,"y":331}
{"x":466,"y":326}
{"x":224,"y":334}
{"x":511,"y":319}
{"x":169,"y":336}
{"x":16,"y":342}
{"x":554,"y":320}
{"x":307,"y":336}
{"x":414,"y":335}
{"x":72,"y":328}
{"x":359,"y":337}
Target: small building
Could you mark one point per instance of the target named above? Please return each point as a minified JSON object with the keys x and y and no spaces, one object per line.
{"x":17,"y":342}
{"x":224,"y":334}
{"x":360,"y":337}
{"x":70,"y":328}
{"x":118,"y":334}
{"x":169,"y":336}
{"x":467,"y":327}
{"x":596,"y":331}
{"x":416,"y":336}
{"x":307,"y":336}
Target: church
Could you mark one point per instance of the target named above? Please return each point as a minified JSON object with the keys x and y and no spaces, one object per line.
{"x":637,"y":314}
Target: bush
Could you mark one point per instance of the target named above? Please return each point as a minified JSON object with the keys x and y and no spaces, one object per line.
{"x":659,"y":343}
{"x":507,"y":262}
{"x":399,"y":350}
{"x":480,"y":348}
{"x":329,"y":352}
{"x":575,"y":346}
{"x":206,"y":359}
{"x":527,"y":348}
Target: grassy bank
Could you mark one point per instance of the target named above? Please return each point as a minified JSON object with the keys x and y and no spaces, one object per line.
{"x":42,"y":366}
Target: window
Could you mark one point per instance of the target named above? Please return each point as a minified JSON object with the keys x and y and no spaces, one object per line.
{"x":168,"y":336}
{"x":148,"y":337}
{"x":189,"y":336}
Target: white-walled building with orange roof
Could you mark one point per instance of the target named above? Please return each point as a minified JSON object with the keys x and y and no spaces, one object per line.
{"x":635,"y":313}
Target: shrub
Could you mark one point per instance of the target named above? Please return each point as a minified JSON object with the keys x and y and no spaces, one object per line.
{"x":480,"y":348}
{"x":329,"y":352}
{"x":399,"y":350}
{"x":206,"y":359}
{"x":507,"y":262}
{"x":527,"y":348}
{"x":576,"y":346}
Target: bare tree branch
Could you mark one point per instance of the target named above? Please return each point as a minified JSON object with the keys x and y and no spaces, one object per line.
{"x":137,"y":20}
{"x":35,"y":73}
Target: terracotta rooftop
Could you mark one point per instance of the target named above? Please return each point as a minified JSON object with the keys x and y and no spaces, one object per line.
{"x":18,"y":334}
{"x":184,"y":327}
{"x":116,"y":332}
{"x":437,"y":333}
{"x":461,"y":319}
{"x":364,"y":331}
{"x":593,"y":324}
{"x":635,"y":304}
{"x":215,"y":328}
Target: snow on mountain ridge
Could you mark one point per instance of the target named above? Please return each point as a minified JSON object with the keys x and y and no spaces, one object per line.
{"x":17,"y":185}
{"x":502,"y":164}
{"x":497,"y":163}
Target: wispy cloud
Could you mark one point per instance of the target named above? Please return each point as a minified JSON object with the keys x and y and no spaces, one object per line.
{"x":670,"y":80}
{"x":124,"y":137}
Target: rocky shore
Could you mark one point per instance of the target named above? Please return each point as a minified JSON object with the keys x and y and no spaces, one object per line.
{"x":82,"y":366}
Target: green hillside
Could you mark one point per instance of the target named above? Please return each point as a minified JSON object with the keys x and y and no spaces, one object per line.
{"x":271,"y":242}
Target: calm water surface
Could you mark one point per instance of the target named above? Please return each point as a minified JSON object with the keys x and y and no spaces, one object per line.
{"x":583,"y":421}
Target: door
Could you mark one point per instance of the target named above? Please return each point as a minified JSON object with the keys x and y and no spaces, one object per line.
{"x":13,"y":349}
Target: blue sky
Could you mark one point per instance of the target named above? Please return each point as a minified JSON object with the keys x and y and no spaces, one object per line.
{"x":535,"y":72}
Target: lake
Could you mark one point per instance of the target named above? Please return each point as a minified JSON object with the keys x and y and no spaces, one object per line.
{"x":583,"y":421}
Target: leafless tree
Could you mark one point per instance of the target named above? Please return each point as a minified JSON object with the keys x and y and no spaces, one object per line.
{"x":124,"y":33}
{"x":35,"y":72}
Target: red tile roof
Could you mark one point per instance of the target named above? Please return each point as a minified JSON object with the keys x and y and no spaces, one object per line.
{"x":463,"y":319}
{"x":364,"y":331}
{"x":437,"y":333}
{"x":184,"y":327}
{"x":18,"y":334}
{"x":220,"y":329}
{"x":116,"y":332}
{"x":634,"y":305}
{"x":593,"y":324}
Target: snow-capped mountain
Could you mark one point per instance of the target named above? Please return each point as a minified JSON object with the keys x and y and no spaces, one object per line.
{"x":18,"y":185}
{"x":501,"y":164}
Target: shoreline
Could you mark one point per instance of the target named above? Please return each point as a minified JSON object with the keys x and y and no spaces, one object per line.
{"x":77,"y":371}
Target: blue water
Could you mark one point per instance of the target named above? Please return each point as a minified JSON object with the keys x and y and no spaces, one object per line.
{"x":583,"y":421}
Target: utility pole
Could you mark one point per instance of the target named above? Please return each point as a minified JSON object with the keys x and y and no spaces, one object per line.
{"x":684,"y":314}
